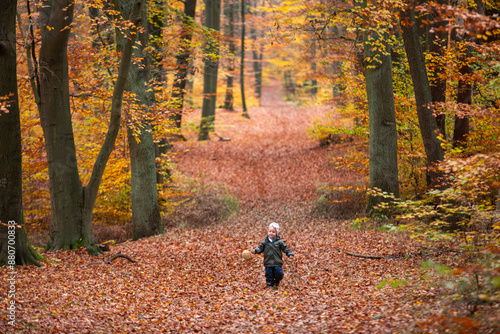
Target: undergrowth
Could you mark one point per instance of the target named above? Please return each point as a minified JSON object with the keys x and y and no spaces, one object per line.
{"x":199,"y":205}
{"x":340,"y":202}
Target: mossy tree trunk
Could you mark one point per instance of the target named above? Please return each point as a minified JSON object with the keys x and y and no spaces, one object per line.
{"x":145,"y":208}
{"x":14,"y":246}
{"x":383,"y":148}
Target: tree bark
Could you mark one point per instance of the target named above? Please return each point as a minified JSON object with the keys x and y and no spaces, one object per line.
{"x":66,"y":230}
{"x":437,"y":43}
{"x":155,"y":27}
{"x":242,"y":61}
{"x":145,"y":208}
{"x":464,"y":91}
{"x":230,"y":8}
{"x":183,"y":61}
{"x":464,"y":96}
{"x":257,"y":60}
{"x":212,"y":16}
{"x":71,"y":203}
{"x":427,"y":122}
{"x":14,"y":246}
{"x":314,"y":81}
{"x":497,"y":207}
{"x":383,"y":148}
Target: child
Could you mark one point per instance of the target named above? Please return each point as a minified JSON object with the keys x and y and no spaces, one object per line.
{"x":273,"y":246}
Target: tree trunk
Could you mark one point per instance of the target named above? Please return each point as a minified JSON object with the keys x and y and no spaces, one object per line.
{"x":230,"y":7}
{"x":145,"y":208}
{"x":155,"y":27}
{"x":14,"y":246}
{"x":242,"y":62}
{"x":497,"y":208}
{"x":257,"y":60}
{"x":383,"y":148}
{"x":91,"y":189}
{"x":66,"y":230}
{"x":314,"y":81}
{"x":464,"y":93}
{"x":71,"y":203}
{"x":437,"y":44}
{"x":212,"y":16}
{"x":464,"y":96}
{"x":183,"y":61}
{"x":423,"y":97}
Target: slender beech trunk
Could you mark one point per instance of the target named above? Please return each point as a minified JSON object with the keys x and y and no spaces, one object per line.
{"x":314,"y":81}
{"x":184,"y":57}
{"x":423,"y":97}
{"x":242,"y":61}
{"x":14,"y":246}
{"x":212,"y":17}
{"x":383,"y":148}
{"x":437,"y":44}
{"x":497,"y":208}
{"x":145,"y":208}
{"x":464,"y":96}
{"x":230,"y":8}
{"x":155,"y":27}
{"x":71,"y":203}
{"x":257,"y":59}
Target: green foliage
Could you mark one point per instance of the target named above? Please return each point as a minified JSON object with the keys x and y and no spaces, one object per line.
{"x":411,"y":154}
{"x":393,"y":283}
{"x":471,"y":285}
{"x":334,"y":134}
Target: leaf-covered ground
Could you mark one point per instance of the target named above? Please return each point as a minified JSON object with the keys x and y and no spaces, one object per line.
{"x":193,"y":280}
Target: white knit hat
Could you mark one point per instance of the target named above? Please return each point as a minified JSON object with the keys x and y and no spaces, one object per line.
{"x":276,"y":226}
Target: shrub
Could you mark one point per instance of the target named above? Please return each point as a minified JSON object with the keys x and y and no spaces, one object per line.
{"x":116,"y":233}
{"x":201,"y":205}
{"x":341,"y":202}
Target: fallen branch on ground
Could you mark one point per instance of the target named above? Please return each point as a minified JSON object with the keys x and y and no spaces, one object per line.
{"x":377,"y":257}
{"x":112,"y":258}
{"x":119,"y":254}
{"x":365,"y":256}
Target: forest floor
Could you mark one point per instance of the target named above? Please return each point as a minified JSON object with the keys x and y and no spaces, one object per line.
{"x":193,"y":279}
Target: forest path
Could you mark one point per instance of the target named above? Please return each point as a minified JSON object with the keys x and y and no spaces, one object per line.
{"x":269,"y":157}
{"x":191,"y":280}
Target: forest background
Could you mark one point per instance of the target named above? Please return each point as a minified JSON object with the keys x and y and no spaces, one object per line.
{"x":187,"y":80}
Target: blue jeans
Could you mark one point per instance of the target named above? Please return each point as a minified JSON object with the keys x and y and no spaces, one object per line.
{"x":274,"y":275}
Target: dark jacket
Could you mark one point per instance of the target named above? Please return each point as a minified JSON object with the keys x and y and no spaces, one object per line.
{"x":272,"y":251}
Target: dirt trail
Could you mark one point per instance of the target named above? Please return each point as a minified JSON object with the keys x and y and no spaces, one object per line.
{"x":269,"y":157}
{"x":193,"y":280}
